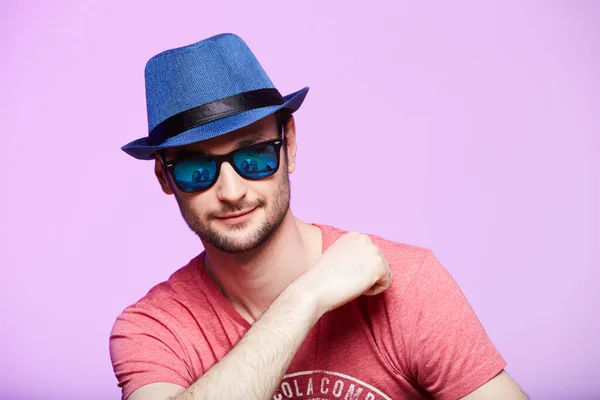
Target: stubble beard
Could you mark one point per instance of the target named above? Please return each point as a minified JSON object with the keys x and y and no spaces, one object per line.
{"x":236,"y":240}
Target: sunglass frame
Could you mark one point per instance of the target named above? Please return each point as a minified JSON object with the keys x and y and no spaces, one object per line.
{"x":221,"y":158}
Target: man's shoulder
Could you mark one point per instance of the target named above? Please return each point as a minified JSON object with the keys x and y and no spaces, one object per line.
{"x":402,"y":257}
{"x":170,"y":299}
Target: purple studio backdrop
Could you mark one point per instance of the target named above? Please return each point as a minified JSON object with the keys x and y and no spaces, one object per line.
{"x":470,"y":128}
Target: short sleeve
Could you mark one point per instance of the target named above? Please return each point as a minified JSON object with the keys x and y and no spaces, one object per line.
{"x":447,"y":350}
{"x":145,"y":350}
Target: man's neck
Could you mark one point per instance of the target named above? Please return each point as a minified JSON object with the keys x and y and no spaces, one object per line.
{"x":252,"y":281}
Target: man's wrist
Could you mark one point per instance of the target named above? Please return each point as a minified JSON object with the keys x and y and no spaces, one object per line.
{"x":303,"y":302}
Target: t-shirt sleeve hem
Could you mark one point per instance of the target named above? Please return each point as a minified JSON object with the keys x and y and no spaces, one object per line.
{"x":472,"y":381}
{"x":135,"y":384}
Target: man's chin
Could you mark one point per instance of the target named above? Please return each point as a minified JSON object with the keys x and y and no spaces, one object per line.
{"x":236,"y":238}
{"x":236,"y":245}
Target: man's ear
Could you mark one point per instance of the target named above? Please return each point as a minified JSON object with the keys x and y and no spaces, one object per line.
{"x":161,"y":175}
{"x":292,"y":146}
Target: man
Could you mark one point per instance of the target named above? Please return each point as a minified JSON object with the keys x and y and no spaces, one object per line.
{"x":276,"y":307}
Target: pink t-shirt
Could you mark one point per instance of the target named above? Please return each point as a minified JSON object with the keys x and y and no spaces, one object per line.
{"x":418,"y":339}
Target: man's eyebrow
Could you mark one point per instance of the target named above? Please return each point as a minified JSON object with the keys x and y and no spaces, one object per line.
{"x":249,"y":140}
{"x":246,"y":141}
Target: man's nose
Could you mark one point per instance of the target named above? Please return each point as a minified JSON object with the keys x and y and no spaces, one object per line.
{"x":231,"y":187}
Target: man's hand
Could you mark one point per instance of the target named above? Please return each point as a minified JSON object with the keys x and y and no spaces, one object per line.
{"x":351,"y":267}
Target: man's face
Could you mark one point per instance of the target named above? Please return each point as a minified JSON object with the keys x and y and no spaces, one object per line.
{"x":236,"y":214}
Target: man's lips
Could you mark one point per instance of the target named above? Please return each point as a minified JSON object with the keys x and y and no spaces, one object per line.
{"x":236,"y":214}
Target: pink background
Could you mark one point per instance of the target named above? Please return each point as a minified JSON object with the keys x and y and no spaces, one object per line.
{"x":470,"y":128}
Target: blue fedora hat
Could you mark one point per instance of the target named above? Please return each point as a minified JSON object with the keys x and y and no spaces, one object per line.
{"x":204,"y":90}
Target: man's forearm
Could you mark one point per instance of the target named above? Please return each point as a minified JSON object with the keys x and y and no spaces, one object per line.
{"x":254,"y":368}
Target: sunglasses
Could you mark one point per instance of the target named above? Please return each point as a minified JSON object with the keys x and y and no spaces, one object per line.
{"x":199,"y":173}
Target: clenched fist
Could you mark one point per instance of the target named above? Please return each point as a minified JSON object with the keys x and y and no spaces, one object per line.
{"x":351,"y":267}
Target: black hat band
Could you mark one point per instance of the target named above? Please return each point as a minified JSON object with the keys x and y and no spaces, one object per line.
{"x":212,"y":111}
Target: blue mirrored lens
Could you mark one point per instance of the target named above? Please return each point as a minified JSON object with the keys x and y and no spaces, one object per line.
{"x":195,"y":174}
{"x":256,"y":162}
